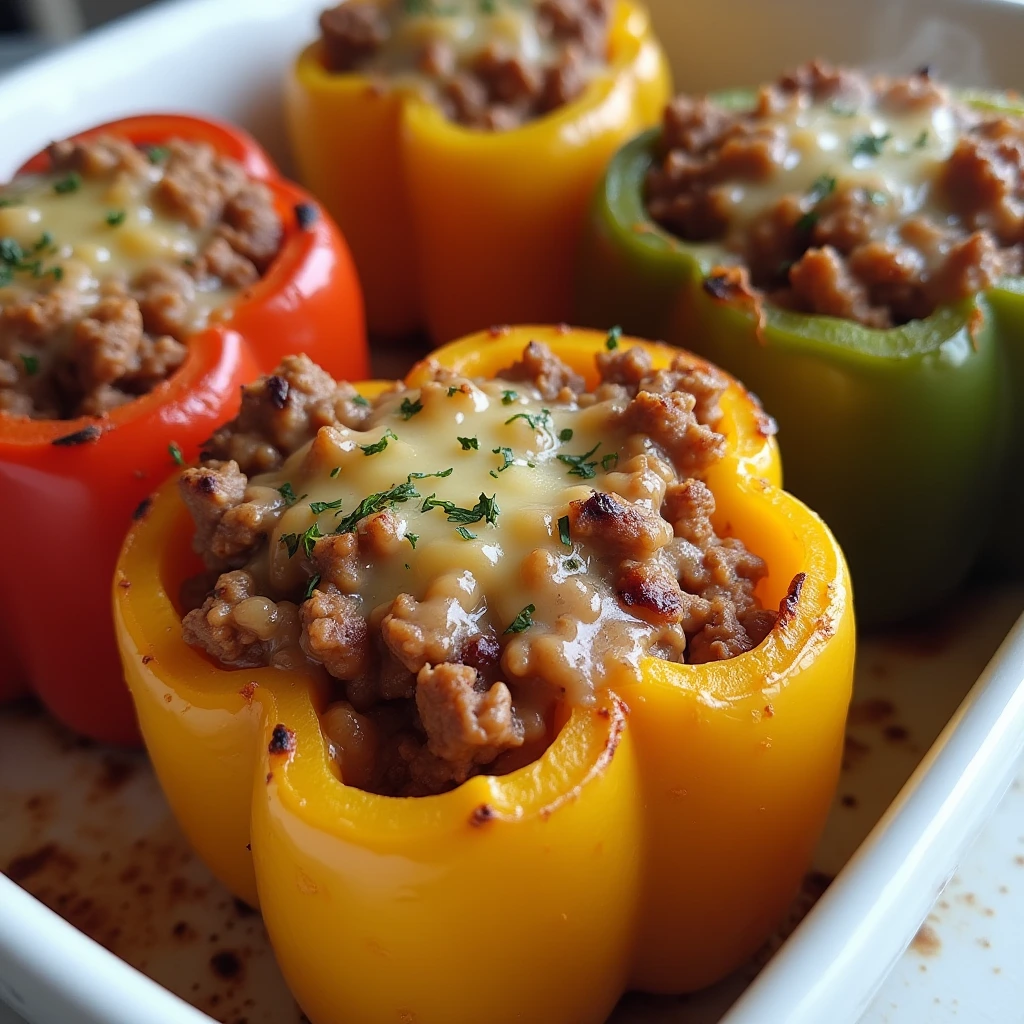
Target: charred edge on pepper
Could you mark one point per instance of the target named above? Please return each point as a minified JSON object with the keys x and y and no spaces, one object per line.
{"x":147,"y":658}
{"x":732,"y":284}
{"x":306,"y":215}
{"x":141,"y":509}
{"x":787,"y":606}
{"x":282,"y":740}
{"x":86,"y":435}
{"x":481,"y":815}
{"x":277,"y":388}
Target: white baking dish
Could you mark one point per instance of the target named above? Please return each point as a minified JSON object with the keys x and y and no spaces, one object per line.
{"x":227,"y":57}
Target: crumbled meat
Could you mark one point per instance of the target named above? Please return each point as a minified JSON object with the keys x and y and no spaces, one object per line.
{"x":546,"y":372}
{"x":351,"y":32}
{"x":209,"y":491}
{"x":670,"y":421}
{"x":465,"y":727}
{"x":239,"y":627}
{"x":98,"y":158}
{"x":251,"y":226}
{"x":335,"y":633}
{"x":197,"y":183}
{"x":429,"y":631}
{"x":838,"y":248}
{"x":618,"y":526}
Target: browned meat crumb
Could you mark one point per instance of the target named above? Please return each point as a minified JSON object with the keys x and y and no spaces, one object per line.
{"x":549,"y":375}
{"x":352,"y":32}
{"x":335,"y":633}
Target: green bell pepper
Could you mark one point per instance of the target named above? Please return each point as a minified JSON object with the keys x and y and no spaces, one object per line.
{"x":909,"y":442}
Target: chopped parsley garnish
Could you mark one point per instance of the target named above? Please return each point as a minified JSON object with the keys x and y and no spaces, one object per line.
{"x":175,"y":453}
{"x":334,"y":472}
{"x":314,"y":582}
{"x":488,"y":6}
{"x":58,"y":273}
{"x":309,"y":538}
{"x":409,"y":409}
{"x":379,"y":446}
{"x":469,"y":443}
{"x":578,"y":463}
{"x":612,"y":341}
{"x":376,"y":503}
{"x":508,"y":397}
{"x":540,"y":421}
{"x":609,"y":460}
{"x":70,"y":183}
{"x":876,"y":198}
{"x":868,"y":145}
{"x":464,"y":533}
{"x":286,"y":492}
{"x":808,"y":220}
{"x":922,"y":140}
{"x":8,"y":202}
{"x":563,"y":531}
{"x":361,"y":400}
{"x":116,"y":217}
{"x":45,"y":241}
{"x":291,"y":542}
{"x":412,"y":538}
{"x":486,"y":509}
{"x":453,"y":389}
{"x":572,"y":564}
{"x":156,"y":154}
{"x":31,"y":364}
{"x":523,"y":621}
{"x":427,"y":476}
{"x":508,"y":458}
{"x":824,"y":185}
{"x":565,"y":434}
{"x":11,"y":251}
{"x":316,"y":507}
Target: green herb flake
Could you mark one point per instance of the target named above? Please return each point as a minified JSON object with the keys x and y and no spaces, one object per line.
{"x":291,"y":542}
{"x":609,"y":461}
{"x":334,"y":472}
{"x":824,"y":185}
{"x":175,"y":453}
{"x":485,"y":508}
{"x":523,"y":621}
{"x":426,"y":476}
{"x":508,"y":397}
{"x":45,"y":241}
{"x":361,"y":400}
{"x":565,"y":434}
{"x":572,"y":564}
{"x":375,"y":503}
{"x":578,"y":463}
{"x":869,"y":145}
{"x":58,"y":273}
{"x":156,"y":154}
{"x":116,"y":217}
{"x":4,"y":203}
{"x":309,"y":538}
{"x":537,"y":421}
{"x":409,"y":409}
{"x":563,"y":531}
{"x":314,"y":582}
{"x":922,"y":140}
{"x":469,"y":443}
{"x":317,"y":507}
{"x":11,"y":251}
{"x":31,"y":364}
{"x":69,"y":183}
{"x":453,"y":389}
{"x":379,"y":446}
{"x":808,"y":220}
{"x":286,"y":492}
{"x":876,"y":198}
{"x":611,"y":342}
{"x":508,"y":457}
{"x":412,"y":538}
{"x":464,"y":533}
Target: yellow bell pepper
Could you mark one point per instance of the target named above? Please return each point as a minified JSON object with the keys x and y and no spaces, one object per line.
{"x":454,"y":229}
{"x":654,"y":845}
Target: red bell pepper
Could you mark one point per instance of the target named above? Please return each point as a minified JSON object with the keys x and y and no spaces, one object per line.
{"x":71,"y":487}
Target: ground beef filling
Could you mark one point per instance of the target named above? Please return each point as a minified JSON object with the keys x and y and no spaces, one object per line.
{"x":870,"y":199}
{"x":111,"y":260}
{"x":348,"y":534}
{"x":491,"y":65}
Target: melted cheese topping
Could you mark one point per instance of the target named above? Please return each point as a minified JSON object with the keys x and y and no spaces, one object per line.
{"x":520,"y":464}
{"x":83,"y":231}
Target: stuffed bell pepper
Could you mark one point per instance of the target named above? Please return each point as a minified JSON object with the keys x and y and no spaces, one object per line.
{"x":148,"y":268}
{"x":851,"y":247}
{"x":457,"y":144}
{"x":531,"y":646}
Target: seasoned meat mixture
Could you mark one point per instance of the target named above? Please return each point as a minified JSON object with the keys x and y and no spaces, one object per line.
{"x":463,"y":557}
{"x":110,"y":261}
{"x":871,"y":199}
{"x":490,"y":64}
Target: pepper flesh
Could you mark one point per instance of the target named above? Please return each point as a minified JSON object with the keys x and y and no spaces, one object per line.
{"x":73,"y":485}
{"x":456,"y":229}
{"x":917,"y":416}
{"x":654,"y":845}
